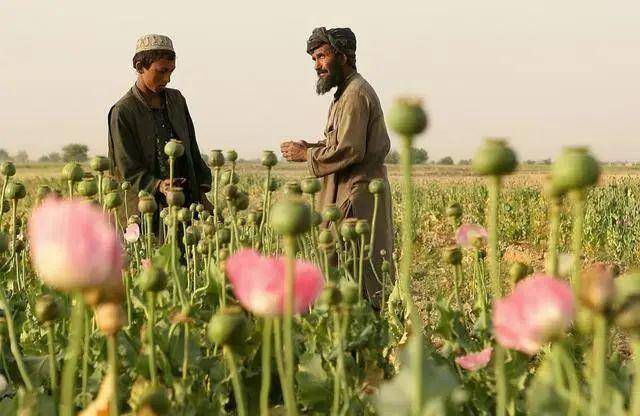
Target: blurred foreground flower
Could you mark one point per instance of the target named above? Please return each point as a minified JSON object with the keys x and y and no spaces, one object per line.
{"x":132,"y":233}
{"x":258,"y":283}
{"x":471,"y":235}
{"x":73,"y":246}
{"x":539,"y":310}
{"x":100,"y":406}
{"x":475,"y":361}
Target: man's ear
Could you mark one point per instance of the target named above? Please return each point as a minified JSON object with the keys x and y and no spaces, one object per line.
{"x":139,"y":67}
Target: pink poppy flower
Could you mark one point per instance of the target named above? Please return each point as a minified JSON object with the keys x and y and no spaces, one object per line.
{"x":467,"y":234}
{"x":258,"y":283}
{"x":475,"y":361}
{"x":73,"y":246}
{"x":132,"y":233}
{"x":539,"y":309}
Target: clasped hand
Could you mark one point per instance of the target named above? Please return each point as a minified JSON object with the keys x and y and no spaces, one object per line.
{"x":294,"y":151}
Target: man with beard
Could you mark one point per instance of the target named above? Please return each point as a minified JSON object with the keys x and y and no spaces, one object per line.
{"x":145,"y":119}
{"x":355,"y":142}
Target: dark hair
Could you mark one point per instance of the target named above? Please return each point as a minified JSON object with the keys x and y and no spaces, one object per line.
{"x":146,"y":58}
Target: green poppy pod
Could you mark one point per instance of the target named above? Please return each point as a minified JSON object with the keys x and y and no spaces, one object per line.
{"x":100,"y":164}
{"x":292,"y":188}
{"x":208,"y":229}
{"x":15,"y":191}
{"x":231,"y":155}
{"x":350,"y":295}
{"x":363,"y":227}
{"x":47,"y":309}
{"x":454,"y":210}
{"x":87,"y":187}
{"x":575,"y":168}
{"x":348,"y":229}
{"x":125,"y":186}
{"x":255,"y":217}
{"x":494,"y":158}
{"x":72,"y":171}
{"x":152,"y":279}
{"x":310,"y":185}
{"x":376,"y":186}
{"x":223,"y":235}
{"x":199,"y":207}
{"x":203,"y":247}
{"x":268,"y":158}
{"x":242,"y":201}
{"x":174,"y":148}
{"x":133,"y":219}
{"x":143,"y":193}
{"x":184,"y":215}
{"x":274,"y":184}
{"x":325,"y":237}
{"x":331,"y":213}
{"x":7,"y":169}
{"x":227,"y":327}
{"x":386,"y":266}
{"x":193,"y":207}
{"x":216,"y":158}
{"x":109,"y":185}
{"x":290,"y":216}
{"x":230,"y":191}
{"x":190,"y":238}
{"x":204,"y":215}
{"x":43,"y":191}
{"x":175,"y":197}
{"x":225,"y":177}
{"x":195,"y":230}
{"x":452,"y":255}
{"x":113,"y":200}
{"x":147,"y":204}
{"x":406,"y":117}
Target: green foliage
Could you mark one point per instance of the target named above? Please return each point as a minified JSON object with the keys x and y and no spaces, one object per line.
{"x":75,"y":152}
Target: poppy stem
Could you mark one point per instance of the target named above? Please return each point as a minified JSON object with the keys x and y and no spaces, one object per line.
{"x":599,"y":357}
{"x":290,"y":264}
{"x":151,"y":306}
{"x":112,"y":356}
{"x":634,"y":408}
{"x":554,"y":230}
{"x":68,"y":386}
{"x":266,"y":366}
{"x":235,"y":381}
{"x":53,"y":372}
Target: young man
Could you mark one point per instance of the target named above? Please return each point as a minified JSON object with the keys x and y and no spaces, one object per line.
{"x":356,"y":141}
{"x":145,"y":119}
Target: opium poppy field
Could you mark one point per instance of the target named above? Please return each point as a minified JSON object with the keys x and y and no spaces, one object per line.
{"x":511,"y":290}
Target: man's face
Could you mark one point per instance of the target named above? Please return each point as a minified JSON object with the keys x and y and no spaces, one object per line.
{"x":158,"y":75}
{"x":328,"y":67}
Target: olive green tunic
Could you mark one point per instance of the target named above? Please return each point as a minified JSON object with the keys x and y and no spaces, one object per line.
{"x":133,"y":142}
{"x":352,"y":154}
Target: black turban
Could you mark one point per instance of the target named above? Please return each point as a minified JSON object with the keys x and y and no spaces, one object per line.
{"x":341,"y":39}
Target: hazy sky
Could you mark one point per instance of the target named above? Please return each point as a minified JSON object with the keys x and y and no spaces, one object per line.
{"x":544,"y":73}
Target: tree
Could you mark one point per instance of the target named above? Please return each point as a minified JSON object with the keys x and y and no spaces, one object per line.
{"x":418,"y":157}
{"x":51,"y":158}
{"x":447,"y":160}
{"x":21,"y":157}
{"x":75,"y":152}
{"x":464,"y":162}
{"x":393,"y":157}
{"x":4,"y":155}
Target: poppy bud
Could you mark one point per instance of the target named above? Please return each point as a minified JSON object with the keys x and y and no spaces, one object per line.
{"x":125,"y":186}
{"x":15,"y":191}
{"x":199,"y":208}
{"x":518,"y":271}
{"x":47,"y":309}
{"x":7,"y":169}
{"x":350,"y":295}
{"x":174,"y":148}
{"x":175,"y":197}
{"x":255,"y":217}
{"x":292,"y":188}
{"x":113,"y":200}
{"x":143,"y":193}
{"x":575,"y":168}
{"x":310,"y":185}
{"x":216,"y":158}
{"x":225,"y":178}
{"x":242,"y":201}
{"x":452,"y":255}
{"x":230,"y":191}
{"x":316,"y":219}
{"x":231,"y":155}
{"x":109,"y":318}
{"x":87,"y":187}
{"x":406,"y":117}
{"x":290,"y":216}
{"x":223,"y":235}
{"x":204,"y":215}
{"x":268,"y":159}
{"x":386,"y":266}
{"x":376,"y":186}
{"x":152,"y":279}
{"x":202,"y":247}
{"x":331,"y":213}
{"x":147,"y":204}
{"x":73,"y":172}
{"x":348,"y":229}
{"x":494,"y":158}
{"x":227,"y":327}
{"x":330,"y":295}
{"x":193,"y":207}
{"x":190,"y":238}
{"x":109,"y":185}
{"x":325,"y":237}
{"x":100,"y":163}
{"x":363,"y":228}
{"x":184,"y":215}
{"x":133,"y":219}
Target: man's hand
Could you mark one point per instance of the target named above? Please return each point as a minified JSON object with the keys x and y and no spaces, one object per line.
{"x":294,"y":151}
{"x":165,"y":184}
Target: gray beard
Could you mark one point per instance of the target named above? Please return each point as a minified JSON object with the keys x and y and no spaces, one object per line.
{"x":324,"y":85}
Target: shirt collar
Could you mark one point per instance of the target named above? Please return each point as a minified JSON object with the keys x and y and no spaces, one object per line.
{"x":138,"y":94}
{"x":344,"y":85}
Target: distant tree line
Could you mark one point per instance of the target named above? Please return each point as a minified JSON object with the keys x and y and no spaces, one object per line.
{"x":73,"y":152}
